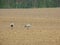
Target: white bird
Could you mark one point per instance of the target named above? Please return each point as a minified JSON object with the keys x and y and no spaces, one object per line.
{"x":27,"y":26}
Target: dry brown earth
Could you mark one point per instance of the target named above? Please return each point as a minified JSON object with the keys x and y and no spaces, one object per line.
{"x":45,"y":28}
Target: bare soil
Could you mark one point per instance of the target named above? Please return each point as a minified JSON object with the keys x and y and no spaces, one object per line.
{"x":45,"y":28}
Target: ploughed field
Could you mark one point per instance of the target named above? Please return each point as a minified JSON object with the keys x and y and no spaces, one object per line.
{"x":45,"y":29}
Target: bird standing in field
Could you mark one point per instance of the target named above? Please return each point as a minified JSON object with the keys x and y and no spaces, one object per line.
{"x":12,"y":25}
{"x":27,"y":26}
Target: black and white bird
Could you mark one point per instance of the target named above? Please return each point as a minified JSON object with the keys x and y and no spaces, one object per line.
{"x":11,"y":25}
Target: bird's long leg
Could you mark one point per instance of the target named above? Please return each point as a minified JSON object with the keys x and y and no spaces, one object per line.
{"x":27,"y":28}
{"x":11,"y":28}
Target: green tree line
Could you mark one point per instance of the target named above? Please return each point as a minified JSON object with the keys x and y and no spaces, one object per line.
{"x":29,"y":3}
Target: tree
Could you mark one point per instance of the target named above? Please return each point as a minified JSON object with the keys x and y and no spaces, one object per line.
{"x":29,"y":3}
